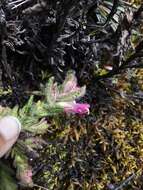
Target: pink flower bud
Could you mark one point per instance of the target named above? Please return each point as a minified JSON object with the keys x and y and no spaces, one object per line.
{"x":71,"y":85}
{"x":25,"y":177}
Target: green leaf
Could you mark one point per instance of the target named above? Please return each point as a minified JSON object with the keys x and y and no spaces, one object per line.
{"x":7,"y":182}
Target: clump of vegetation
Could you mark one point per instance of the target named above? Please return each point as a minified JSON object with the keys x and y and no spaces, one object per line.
{"x":56,"y":99}
{"x":102,"y":42}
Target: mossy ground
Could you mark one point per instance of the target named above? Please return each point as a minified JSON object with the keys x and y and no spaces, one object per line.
{"x":101,"y":151}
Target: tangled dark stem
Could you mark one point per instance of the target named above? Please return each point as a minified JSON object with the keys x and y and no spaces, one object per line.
{"x":55,"y":36}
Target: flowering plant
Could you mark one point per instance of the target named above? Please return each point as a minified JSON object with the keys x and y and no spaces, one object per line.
{"x":57,"y":99}
{"x":64,"y":95}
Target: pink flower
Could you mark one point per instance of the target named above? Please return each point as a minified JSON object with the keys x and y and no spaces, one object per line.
{"x":26,"y":177}
{"x":75,"y":108}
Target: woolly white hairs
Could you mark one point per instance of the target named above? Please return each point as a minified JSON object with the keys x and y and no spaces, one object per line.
{"x":10,"y":128}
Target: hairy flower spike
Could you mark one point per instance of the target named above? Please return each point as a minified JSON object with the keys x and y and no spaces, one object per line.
{"x":67,"y":93}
